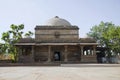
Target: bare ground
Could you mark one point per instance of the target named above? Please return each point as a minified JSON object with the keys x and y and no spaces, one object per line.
{"x":63,"y":72}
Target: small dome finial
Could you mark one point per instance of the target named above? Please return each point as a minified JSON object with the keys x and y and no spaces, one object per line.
{"x":56,"y":17}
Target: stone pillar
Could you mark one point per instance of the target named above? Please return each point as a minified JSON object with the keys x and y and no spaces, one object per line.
{"x":82,"y":54}
{"x":94,"y":54}
{"x":49,"y":53}
{"x":94,"y":50}
{"x":66,"y":58}
{"x":81,"y":50}
{"x":91,"y":51}
{"x":32,"y":53}
{"x":21,"y":51}
{"x":20,"y":54}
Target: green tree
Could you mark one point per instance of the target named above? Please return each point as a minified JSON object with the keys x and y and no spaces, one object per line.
{"x":11,"y":37}
{"x":28,"y":34}
{"x":112,"y":35}
{"x":107,"y":35}
{"x":96,"y":33}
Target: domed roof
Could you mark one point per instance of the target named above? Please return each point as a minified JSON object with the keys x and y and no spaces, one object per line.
{"x":56,"y":21}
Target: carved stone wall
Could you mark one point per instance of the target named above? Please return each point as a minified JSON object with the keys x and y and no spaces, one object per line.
{"x":41,"y":53}
{"x":53,"y":34}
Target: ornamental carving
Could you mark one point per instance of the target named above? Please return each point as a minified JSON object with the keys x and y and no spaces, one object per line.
{"x":57,"y":34}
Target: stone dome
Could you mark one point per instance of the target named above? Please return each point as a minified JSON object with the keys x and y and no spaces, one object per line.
{"x":56,"y":21}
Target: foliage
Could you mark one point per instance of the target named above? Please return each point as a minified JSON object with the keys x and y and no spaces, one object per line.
{"x":112,"y":35}
{"x":11,"y":37}
{"x":6,"y":57}
{"x":107,"y":34}
{"x":28,"y":34}
{"x":96,"y":33}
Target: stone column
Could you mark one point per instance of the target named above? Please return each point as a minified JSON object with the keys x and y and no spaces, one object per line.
{"x":49,"y":53}
{"x":91,"y":51}
{"x":66,"y":58}
{"x":21,"y":51}
{"x":20,"y":54}
{"x":32,"y":53}
{"x":82,"y":54}
{"x":94,"y":54}
{"x":94,"y":50}
{"x":81,"y":50}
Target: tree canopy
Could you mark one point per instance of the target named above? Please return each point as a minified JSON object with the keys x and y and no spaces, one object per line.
{"x":11,"y":37}
{"x":107,"y":35}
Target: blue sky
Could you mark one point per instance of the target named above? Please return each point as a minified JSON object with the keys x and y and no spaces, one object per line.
{"x":83,"y":13}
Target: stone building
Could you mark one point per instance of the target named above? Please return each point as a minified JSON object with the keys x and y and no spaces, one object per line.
{"x":57,"y":41}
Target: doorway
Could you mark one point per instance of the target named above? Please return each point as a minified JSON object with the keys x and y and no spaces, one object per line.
{"x":57,"y":56}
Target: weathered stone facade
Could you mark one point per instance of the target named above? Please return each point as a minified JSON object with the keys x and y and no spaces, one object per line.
{"x":53,"y":32}
{"x":57,"y":41}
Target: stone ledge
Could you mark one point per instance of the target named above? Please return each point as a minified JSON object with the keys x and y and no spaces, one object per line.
{"x":28,"y":64}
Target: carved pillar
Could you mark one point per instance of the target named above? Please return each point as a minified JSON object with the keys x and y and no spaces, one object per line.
{"x":66,"y":58}
{"x":82,"y":54}
{"x":81,"y":49}
{"x":18,"y":55}
{"x":94,"y":54}
{"x":49,"y":53}
{"x":20,"y":52}
{"x":91,"y":51}
{"x":32,"y":53}
{"x":94,"y":50}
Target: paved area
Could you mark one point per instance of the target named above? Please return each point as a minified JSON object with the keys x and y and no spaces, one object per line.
{"x":63,"y":72}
